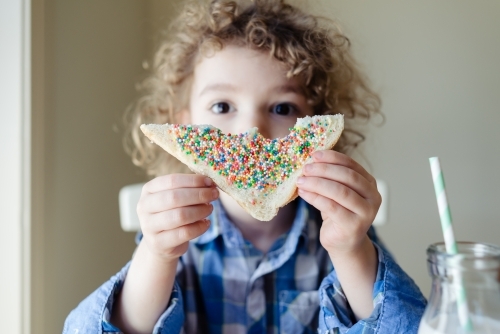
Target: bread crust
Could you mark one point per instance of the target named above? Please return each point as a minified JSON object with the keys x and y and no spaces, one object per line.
{"x":261,"y":204}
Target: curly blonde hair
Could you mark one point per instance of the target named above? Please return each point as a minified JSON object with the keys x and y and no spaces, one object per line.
{"x":319,"y":53}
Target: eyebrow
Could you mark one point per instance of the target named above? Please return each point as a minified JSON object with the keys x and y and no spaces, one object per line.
{"x":228,"y":87}
{"x":218,"y":87}
{"x":290,"y":89}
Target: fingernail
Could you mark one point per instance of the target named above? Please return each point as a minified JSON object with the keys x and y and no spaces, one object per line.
{"x":318,"y":154}
{"x":207,"y":221}
{"x":208,"y":181}
{"x":215,"y":193}
{"x":300,"y":180}
{"x":307,"y":168}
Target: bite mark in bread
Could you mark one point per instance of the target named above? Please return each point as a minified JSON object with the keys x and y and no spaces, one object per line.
{"x":259,"y":173}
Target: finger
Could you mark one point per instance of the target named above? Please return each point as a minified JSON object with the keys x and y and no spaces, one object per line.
{"x":175,"y":218}
{"x":336,"y":192}
{"x":174,"y":181}
{"x":176,"y":198}
{"x":337,"y":158}
{"x":346,"y":176}
{"x":327,"y":206}
{"x":180,"y":235}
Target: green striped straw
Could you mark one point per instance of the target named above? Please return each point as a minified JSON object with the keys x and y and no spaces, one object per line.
{"x":449,"y":238}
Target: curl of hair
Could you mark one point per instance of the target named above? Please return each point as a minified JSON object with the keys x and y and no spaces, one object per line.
{"x":310,"y":47}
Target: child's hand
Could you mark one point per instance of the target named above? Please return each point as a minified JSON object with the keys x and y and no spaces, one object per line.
{"x":347,"y":196}
{"x":172,"y":210}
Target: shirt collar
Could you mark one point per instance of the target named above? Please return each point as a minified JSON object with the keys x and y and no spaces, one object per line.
{"x":221,"y":226}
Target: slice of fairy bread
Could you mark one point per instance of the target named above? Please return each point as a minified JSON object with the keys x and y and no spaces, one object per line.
{"x":259,"y":173}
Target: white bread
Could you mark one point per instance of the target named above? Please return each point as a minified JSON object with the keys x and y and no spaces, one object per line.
{"x":246,"y":165}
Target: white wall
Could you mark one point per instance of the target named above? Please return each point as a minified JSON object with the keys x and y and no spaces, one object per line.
{"x":93,"y":55}
{"x":436,"y":65}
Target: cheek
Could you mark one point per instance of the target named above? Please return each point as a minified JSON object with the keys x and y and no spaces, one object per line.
{"x":281,"y":126}
{"x":183,"y":117}
{"x":199,"y":116}
{"x":217,"y":121}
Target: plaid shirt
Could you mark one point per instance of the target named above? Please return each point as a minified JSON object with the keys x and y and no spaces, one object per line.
{"x":225,"y":285}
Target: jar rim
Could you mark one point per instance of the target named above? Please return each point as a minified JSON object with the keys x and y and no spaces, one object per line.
{"x":467,"y":250}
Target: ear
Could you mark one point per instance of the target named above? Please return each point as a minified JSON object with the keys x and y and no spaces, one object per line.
{"x":183,"y":117}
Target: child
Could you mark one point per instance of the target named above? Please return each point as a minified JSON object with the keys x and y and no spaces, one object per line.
{"x":318,"y":265}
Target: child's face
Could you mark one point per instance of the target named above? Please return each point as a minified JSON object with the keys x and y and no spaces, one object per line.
{"x":239,"y":88}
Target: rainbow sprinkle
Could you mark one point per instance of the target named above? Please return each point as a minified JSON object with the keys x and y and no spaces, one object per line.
{"x":249,"y":160}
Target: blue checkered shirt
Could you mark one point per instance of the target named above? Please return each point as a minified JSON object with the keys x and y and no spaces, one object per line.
{"x":225,"y":285}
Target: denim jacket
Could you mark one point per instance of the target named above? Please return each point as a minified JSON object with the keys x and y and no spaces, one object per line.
{"x":225,"y":285}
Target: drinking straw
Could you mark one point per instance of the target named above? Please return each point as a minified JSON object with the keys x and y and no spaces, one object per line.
{"x":449,"y":238}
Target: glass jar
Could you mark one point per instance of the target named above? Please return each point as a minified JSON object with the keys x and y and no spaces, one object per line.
{"x":465,"y":294}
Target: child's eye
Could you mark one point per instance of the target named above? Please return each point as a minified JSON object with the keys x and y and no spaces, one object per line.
{"x":221,"y":108}
{"x":284,"y":109}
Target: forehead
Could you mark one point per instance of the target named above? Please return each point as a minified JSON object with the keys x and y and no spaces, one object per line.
{"x":243,"y":66}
